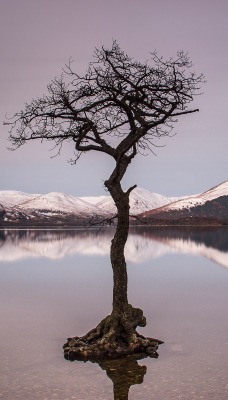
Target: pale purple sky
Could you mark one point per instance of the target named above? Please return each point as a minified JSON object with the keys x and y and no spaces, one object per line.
{"x":37,"y":38}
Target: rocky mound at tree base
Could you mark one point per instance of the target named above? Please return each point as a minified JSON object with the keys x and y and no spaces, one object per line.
{"x":112,"y":339}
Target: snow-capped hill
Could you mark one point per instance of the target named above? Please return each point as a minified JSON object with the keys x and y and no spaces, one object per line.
{"x":141,"y":200}
{"x":216,"y":191}
{"x":11,"y":198}
{"x":107,"y":204}
{"x":199,"y":199}
{"x":58,"y":202}
{"x":93,"y":200}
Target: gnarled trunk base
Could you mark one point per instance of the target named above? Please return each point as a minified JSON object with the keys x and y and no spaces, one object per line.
{"x":114,"y":337}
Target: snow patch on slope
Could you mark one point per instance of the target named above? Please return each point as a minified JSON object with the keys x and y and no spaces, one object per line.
{"x":141,"y":200}
{"x":59,"y":202}
{"x":11,"y":198}
{"x":199,"y":199}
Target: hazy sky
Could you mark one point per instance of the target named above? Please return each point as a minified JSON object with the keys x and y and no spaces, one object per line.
{"x":37,"y":37}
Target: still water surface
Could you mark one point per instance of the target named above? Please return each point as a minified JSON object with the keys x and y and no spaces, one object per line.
{"x":57,"y":284}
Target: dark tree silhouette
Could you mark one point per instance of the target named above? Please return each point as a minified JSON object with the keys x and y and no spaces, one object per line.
{"x":123,"y":373}
{"x":120,"y":107}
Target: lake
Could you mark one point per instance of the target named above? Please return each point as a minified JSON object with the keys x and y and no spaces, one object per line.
{"x":55,"y":284}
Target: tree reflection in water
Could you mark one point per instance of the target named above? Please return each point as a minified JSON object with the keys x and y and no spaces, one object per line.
{"x":124,"y":373}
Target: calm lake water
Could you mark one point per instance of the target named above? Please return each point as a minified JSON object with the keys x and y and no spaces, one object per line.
{"x":57,"y":284}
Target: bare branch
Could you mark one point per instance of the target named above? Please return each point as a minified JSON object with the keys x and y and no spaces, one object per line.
{"x":134,"y":103}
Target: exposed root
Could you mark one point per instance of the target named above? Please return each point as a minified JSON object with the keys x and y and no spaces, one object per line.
{"x":112,"y":338}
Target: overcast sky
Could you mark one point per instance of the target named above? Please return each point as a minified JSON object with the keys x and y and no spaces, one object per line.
{"x":37,"y":38}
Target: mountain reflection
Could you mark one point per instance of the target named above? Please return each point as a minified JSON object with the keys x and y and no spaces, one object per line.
{"x":144,"y":243}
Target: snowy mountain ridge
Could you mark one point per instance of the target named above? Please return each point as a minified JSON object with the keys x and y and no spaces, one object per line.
{"x":140,"y":200}
{"x":198,"y":199}
{"x":58,"y":202}
{"x":60,"y":208}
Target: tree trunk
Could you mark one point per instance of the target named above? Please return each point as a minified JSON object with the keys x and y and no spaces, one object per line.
{"x":116,"y":336}
{"x":120,"y":300}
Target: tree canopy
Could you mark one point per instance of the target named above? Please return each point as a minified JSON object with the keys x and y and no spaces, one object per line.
{"x":119,"y":97}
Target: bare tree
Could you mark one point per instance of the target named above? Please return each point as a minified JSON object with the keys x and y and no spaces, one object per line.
{"x":120,"y":107}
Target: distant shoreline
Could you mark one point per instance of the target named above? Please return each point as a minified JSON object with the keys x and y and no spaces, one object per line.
{"x":87,"y":225}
